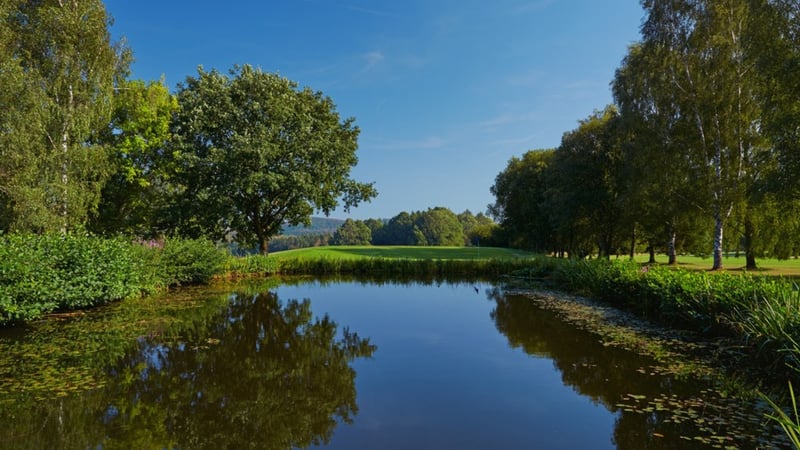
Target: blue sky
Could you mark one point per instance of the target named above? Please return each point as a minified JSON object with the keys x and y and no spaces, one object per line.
{"x":445,"y":91}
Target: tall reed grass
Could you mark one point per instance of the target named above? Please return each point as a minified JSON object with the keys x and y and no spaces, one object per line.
{"x":763,"y":312}
{"x":259,"y":265}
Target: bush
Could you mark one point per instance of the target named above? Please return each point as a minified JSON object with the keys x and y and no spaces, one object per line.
{"x":40,"y":274}
{"x":188,"y":261}
{"x":54,"y":272}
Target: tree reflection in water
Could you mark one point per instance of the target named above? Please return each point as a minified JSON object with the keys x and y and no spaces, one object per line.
{"x":262,"y":374}
{"x":671,"y":416}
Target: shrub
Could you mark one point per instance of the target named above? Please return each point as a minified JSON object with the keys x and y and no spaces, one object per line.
{"x":188,"y":261}
{"x":44,"y":273}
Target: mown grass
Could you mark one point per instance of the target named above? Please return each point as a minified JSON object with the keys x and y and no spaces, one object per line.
{"x":404,"y":252}
{"x":732,"y":263}
{"x":381,"y":260}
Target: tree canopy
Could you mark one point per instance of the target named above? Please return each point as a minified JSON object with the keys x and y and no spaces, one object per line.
{"x":252,"y":152}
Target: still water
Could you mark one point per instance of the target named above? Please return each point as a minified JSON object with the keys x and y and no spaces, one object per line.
{"x":350,"y":365}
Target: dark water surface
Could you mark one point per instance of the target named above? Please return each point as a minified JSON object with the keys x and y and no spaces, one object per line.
{"x":349,"y":365}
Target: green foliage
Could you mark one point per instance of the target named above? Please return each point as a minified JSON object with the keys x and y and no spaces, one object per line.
{"x":789,"y":424}
{"x":326,"y":265}
{"x":438,"y":226}
{"x":252,"y":153}
{"x":760,"y":311}
{"x":519,"y":207}
{"x":250,"y":265}
{"x":433,"y":227}
{"x":186,"y":261}
{"x":352,"y":232}
{"x":70,"y":66}
{"x":136,"y":137}
{"x":40,"y":274}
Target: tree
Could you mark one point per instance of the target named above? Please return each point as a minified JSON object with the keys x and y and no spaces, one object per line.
{"x":709,"y":67}
{"x":519,"y":192}
{"x":438,"y":226}
{"x":352,"y":232}
{"x":65,"y":52}
{"x":468,"y":223}
{"x":253,"y":152}
{"x":585,"y":185}
{"x":398,"y":231}
{"x":19,"y":124}
{"x":775,"y":44}
{"x":662,"y":186}
{"x":136,"y":136}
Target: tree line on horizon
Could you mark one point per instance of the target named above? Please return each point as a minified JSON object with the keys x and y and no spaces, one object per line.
{"x":700,"y":152}
{"x":437,"y":226}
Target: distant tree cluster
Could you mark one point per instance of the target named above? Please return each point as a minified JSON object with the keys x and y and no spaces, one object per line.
{"x":290,"y":242}
{"x":82,"y":146}
{"x":436,"y":227}
{"x":703,"y":143}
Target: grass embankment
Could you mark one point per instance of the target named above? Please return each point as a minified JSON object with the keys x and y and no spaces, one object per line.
{"x":761,"y":314}
{"x":381,"y":260}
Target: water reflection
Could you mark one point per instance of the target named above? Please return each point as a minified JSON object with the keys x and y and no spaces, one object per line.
{"x":653,"y":411}
{"x":258,"y":369}
{"x":261,"y":373}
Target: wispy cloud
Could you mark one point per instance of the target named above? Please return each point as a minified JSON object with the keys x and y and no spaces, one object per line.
{"x":429,"y":143}
{"x":515,"y":141}
{"x":373,"y":59}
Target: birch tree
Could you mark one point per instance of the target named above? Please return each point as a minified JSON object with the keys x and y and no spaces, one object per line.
{"x":712,"y":75}
{"x":64,"y":50}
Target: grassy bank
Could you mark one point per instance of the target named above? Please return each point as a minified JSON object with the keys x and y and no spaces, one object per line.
{"x":761,"y":314}
{"x":381,"y":260}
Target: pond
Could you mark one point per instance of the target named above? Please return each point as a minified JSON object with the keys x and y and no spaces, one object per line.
{"x":351,"y":365}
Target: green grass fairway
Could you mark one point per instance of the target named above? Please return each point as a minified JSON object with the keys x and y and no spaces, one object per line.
{"x":787,"y":268}
{"x":403,"y":252}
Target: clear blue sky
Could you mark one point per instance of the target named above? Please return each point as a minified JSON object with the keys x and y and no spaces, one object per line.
{"x":445,"y":91}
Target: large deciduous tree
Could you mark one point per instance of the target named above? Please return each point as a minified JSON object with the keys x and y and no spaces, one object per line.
{"x":64,"y":51}
{"x":519,"y":192}
{"x":253,"y":152}
{"x":438,"y":226}
{"x":662,"y":180}
{"x":775,"y":43}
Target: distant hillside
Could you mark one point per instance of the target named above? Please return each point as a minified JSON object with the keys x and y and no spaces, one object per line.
{"x":319,"y":225}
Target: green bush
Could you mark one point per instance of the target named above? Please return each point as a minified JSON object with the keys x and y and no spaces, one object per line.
{"x":40,"y":274}
{"x":54,"y":272}
{"x":187,"y":261}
